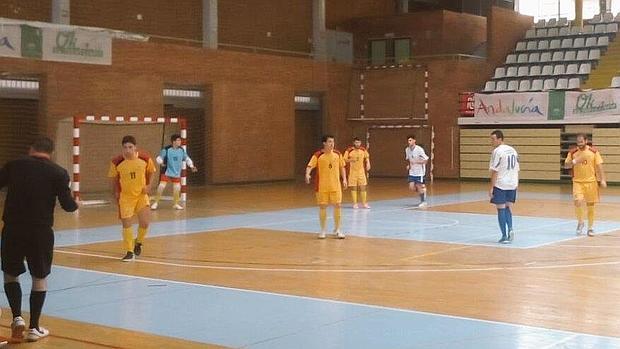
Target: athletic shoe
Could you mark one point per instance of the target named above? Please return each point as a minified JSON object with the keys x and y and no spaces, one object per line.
{"x":339,"y":234}
{"x":422,"y":204}
{"x":18,"y":326}
{"x":579,"y":229}
{"x":366,"y":206}
{"x":322,"y":235}
{"x":511,"y":235}
{"x":129,"y":257}
{"x":503,"y":240}
{"x":34,"y":334}
{"x":590,"y":232}
{"x":137,"y":248}
{"x":177,"y":207}
{"x":356,"y":206}
{"x":154,"y":206}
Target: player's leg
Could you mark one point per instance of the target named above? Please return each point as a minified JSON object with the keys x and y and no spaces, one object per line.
{"x":499,"y":199}
{"x":39,"y":260}
{"x":163,"y":181}
{"x":353,"y":186}
{"x":511,"y":196}
{"x":591,"y":197}
{"x":13,"y":254}
{"x":127,"y":209}
{"x":421,"y":188}
{"x":579,"y":201}
{"x":144,"y":220}
{"x":336,"y":199}
{"x":176,"y":195}
{"x":363,"y":185}
{"x":322,"y":199}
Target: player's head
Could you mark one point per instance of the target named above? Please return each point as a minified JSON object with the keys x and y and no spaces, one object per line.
{"x":582,"y":141}
{"x":175,"y":140}
{"x":497,"y":138}
{"x":129,"y":145}
{"x":357,"y":142}
{"x":42,"y":145}
{"x":411,"y":140}
{"x":328,"y":142}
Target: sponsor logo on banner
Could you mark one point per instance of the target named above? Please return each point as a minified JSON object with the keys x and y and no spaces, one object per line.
{"x":10,"y":37}
{"x":77,"y":45}
{"x":511,"y":105}
{"x":582,"y":104}
{"x":32,"y":42}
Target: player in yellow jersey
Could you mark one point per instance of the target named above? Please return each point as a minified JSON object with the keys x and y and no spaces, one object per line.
{"x":587,"y":167}
{"x":130,"y":176}
{"x":329,"y":165}
{"x":358,"y":165}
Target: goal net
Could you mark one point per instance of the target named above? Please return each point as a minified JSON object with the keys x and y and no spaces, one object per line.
{"x":97,"y":139}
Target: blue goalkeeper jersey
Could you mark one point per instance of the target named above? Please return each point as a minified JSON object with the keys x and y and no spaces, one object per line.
{"x":174,"y":161}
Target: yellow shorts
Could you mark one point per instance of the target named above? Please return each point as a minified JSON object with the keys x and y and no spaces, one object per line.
{"x":130,"y":206}
{"x":357,"y":179}
{"x":328,"y":197}
{"x":587,"y":191}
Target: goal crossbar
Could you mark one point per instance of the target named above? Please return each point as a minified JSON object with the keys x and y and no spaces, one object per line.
{"x":78,"y":120}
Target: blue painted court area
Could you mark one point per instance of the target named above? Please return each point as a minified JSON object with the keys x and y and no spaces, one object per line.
{"x":248,"y":319}
{"x":391,"y":219}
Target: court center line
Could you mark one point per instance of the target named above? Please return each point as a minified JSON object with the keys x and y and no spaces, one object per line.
{"x":300,"y":270}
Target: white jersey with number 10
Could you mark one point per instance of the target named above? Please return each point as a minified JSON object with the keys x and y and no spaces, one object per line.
{"x":505,"y":161}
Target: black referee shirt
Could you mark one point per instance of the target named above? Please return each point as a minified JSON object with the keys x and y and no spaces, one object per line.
{"x":33,"y":185}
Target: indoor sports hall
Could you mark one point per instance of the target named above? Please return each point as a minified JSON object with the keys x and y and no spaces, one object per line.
{"x":250,"y":88}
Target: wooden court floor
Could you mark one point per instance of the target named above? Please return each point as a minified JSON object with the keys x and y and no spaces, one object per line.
{"x":571,"y":285}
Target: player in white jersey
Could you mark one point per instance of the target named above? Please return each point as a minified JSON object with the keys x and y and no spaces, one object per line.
{"x":504,"y":167}
{"x":416,"y":164}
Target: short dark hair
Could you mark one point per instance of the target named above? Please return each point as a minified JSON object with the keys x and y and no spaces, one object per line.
{"x":42,"y":144}
{"x":129,"y":139}
{"x":174,"y":137}
{"x":583,"y":135}
{"x":326,"y":137}
{"x":411,"y":136}
{"x":498,"y":134}
{"x":356,"y":139}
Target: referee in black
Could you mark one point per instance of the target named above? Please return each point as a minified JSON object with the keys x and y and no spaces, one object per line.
{"x":33,"y":182}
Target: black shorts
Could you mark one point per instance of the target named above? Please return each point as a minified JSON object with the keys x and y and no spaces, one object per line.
{"x":33,"y":243}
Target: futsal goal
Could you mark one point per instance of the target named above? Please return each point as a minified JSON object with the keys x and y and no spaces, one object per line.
{"x":96,"y":139}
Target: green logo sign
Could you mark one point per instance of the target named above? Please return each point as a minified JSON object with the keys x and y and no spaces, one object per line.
{"x":32,"y":42}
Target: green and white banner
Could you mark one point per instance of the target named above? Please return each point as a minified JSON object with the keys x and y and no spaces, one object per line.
{"x":70,"y":44}
{"x":77,"y":45}
{"x":10,"y":41}
{"x":596,"y":106}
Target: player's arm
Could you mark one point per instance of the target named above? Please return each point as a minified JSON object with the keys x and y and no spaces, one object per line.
{"x":493,"y":182}
{"x":190,"y":163}
{"x":63,"y":192}
{"x":343,"y":174}
{"x":367,"y":161}
{"x":600,"y":173}
{"x":568,"y":162}
{"x":311,"y":165}
{"x":150,"y":171}
{"x":115,"y":188}
{"x":493,"y":167}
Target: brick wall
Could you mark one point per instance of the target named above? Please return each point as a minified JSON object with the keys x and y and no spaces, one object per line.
{"x":338,"y":12}
{"x":32,"y":10}
{"x":505,"y":27}
{"x":179,"y":18}
{"x":248,"y":22}
{"x":431,"y":32}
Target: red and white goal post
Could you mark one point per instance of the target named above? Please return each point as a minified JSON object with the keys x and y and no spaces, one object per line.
{"x":80,"y":120}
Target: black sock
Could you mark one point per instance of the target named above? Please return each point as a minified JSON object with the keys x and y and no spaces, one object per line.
{"x":37,"y":298}
{"x":422,"y":197}
{"x":13,"y":292}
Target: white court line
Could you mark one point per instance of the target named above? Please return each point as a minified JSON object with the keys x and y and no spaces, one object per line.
{"x":333,"y":301}
{"x":300,"y":270}
{"x":563,"y":340}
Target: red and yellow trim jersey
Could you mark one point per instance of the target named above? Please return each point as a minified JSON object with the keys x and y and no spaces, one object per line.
{"x":586,"y":170}
{"x":328,"y":166}
{"x":360,"y":157}
{"x":132,"y":175}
